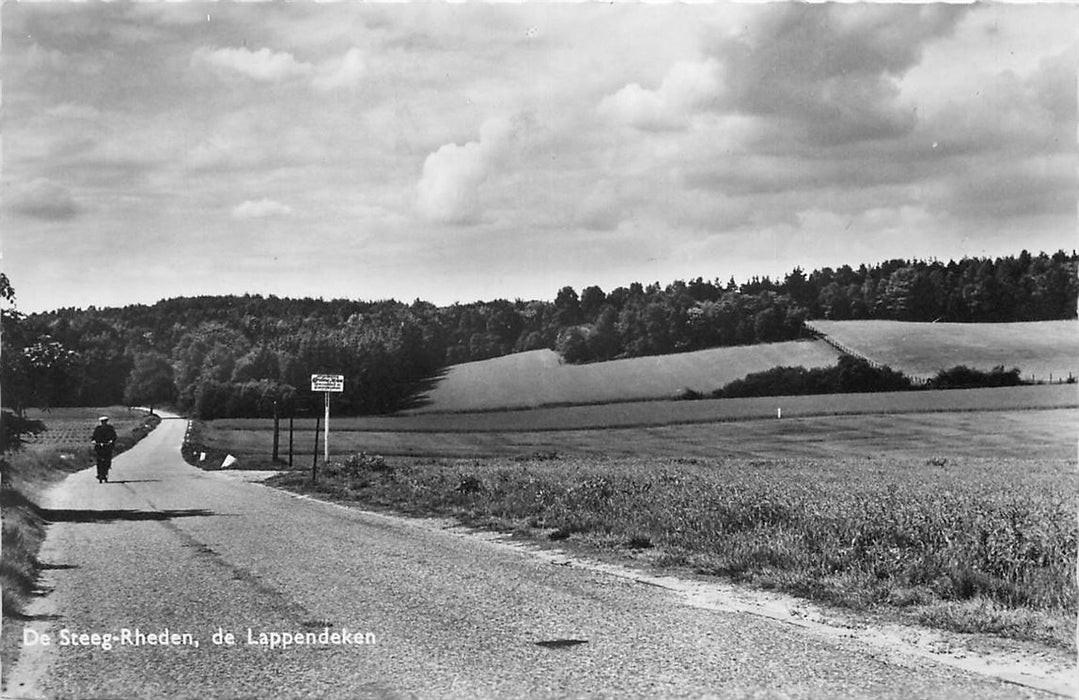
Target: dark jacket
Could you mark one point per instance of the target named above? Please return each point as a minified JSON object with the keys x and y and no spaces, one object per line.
{"x":104,"y":433}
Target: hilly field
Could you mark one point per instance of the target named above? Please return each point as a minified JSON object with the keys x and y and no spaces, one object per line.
{"x":1038,"y":348}
{"x":540,"y":378}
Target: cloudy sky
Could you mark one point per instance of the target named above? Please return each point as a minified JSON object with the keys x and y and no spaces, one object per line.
{"x":464,"y":152}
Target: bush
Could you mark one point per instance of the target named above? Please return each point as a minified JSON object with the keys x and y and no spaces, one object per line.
{"x":360,"y":465}
{"x":963,"y":377}
{"x":13,"y":428}
{"x":850,"y":375}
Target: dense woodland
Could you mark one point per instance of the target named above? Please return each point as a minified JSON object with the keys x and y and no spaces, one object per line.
{"x":239,"y":355}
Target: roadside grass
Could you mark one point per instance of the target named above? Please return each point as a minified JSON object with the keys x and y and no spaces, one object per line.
{"x":25,"y":475}
{"x":969,"y":544}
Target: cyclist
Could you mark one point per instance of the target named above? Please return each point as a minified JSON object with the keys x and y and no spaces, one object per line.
{"x":104,"y":439}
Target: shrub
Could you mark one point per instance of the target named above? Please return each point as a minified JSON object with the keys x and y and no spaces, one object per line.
{"x":850,"y":375}
{"x":13,"y":428}
{"x":963,"y":377}
{"x":359,"y":466}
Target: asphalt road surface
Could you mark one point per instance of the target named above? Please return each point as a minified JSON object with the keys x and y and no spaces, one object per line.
{"x":167,"y":552}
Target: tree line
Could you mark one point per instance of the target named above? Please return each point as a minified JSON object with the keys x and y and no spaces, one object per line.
{"x":219,"y":356}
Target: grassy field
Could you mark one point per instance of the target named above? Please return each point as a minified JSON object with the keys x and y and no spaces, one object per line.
{"x":1042,"y":433}
{"x":974,"y":545}
{"x":1038,"y":348}
{"x":948,"y":508}
{"x":539,"y":378}
{"x":1037,"y":420}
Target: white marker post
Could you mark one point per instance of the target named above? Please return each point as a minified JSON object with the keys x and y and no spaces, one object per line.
{"x":327,"y":384}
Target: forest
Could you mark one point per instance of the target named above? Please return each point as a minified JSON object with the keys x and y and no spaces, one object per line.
{"x":230,"y":356}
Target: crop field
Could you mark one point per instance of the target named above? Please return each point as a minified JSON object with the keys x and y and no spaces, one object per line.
{"x":971,"y":544}
{"x":1048,"y":434}
{"x":539,"y":378}
{"x":71,"y":427}
{"x":1039,"y":349}
{"x":1040,"y":421}
{"x":953,"y":509}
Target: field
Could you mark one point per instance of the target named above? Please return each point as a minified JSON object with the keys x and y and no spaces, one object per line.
{"x":1035,"y":421}
{"x":1039,"y":349}
{"x":539,"y":378}
{"x":71,"y":427}
{"x":954,"y":509}
{"x":948,"y":508}
{"x":974,"y":545}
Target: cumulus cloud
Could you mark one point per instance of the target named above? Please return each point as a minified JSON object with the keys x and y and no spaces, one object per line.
{"x":689,"y":85}
{"x":42,"y":199}
{"x":268,"y":66}
{"x":260,"y":209}
{"x":73,"y":110}
{"x":600,"y":210}
{"x":1038,"y":186}
{"x":340,"y":73}
{"x":38,"y":57}
{"x":448,"y":190}
{"x":829,"y":72}
{"x":1034,"y":113}
{"x":251,"y":139}
{"x":263,"y":65}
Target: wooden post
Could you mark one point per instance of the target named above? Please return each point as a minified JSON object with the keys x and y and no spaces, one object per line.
{"x":276,"y":432}
{"x":314,"y":454}
{"x":326,"y":427}
{"x":290,"y":440}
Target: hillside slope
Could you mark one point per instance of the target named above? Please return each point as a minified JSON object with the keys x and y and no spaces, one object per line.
{"x":1037,"y":348}
{"x":539,"y":378}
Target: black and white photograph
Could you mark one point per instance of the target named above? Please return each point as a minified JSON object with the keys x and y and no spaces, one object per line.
{"x":539,"y":350}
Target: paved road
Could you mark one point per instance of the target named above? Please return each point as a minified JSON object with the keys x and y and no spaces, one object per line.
{"x":167,"y":546}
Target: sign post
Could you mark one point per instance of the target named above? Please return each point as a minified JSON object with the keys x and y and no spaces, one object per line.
{"x":327,"y":384}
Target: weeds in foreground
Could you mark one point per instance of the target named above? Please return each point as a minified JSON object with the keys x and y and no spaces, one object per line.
{"x":970,"y":544}
{"x":24,"y":474}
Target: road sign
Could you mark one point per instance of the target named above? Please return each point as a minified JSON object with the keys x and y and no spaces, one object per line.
{"x":328,"y":382}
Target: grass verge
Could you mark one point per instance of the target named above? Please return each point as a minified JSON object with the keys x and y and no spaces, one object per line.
{"x":967,"y":545}
{"x":24,"y":477}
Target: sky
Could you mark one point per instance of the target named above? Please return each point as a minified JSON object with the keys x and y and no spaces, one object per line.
{"x":463,"y":152}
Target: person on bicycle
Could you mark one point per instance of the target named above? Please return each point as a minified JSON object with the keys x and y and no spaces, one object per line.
{"x":104,"y":438}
